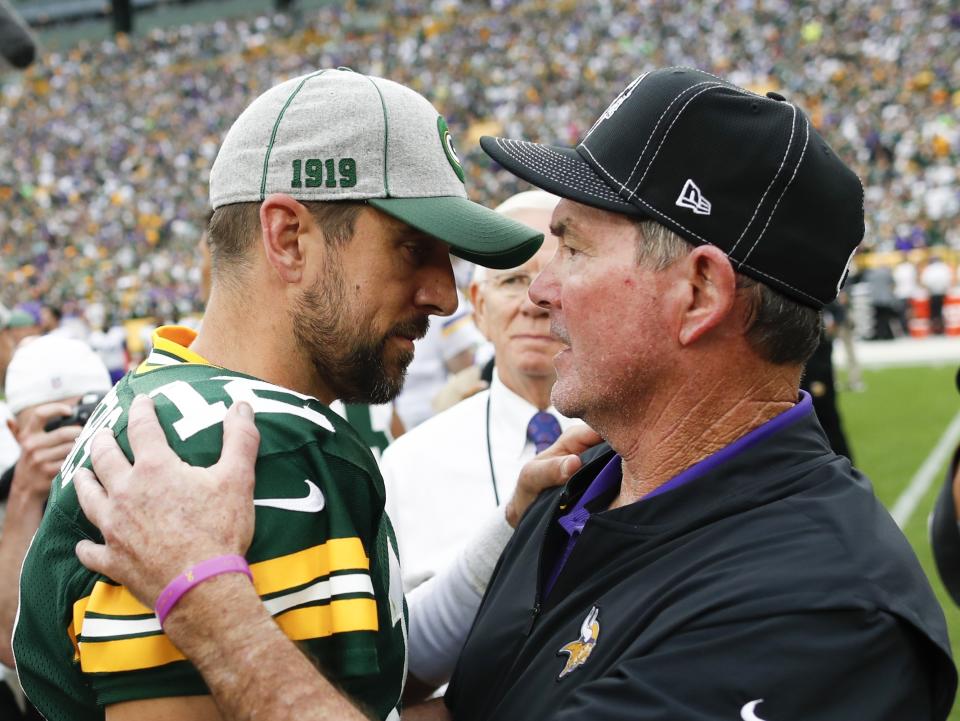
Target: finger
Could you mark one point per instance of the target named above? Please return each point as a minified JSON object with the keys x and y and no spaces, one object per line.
{"x":64,"y":434}
{"x":545,"y":473}
{"x":91,"y":495}
{"x":53,"y":454}
{"x":46,"y":412}
{"x":107,"y":459}
{"x":147,"y":439}
{"x":573,"y":441}
{"x":94,"y":556}
{"x":241,"y":441}
{"x":569,"y":466}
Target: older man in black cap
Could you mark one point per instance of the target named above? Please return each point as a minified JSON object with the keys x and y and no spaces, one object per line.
{"x":718,"y":560}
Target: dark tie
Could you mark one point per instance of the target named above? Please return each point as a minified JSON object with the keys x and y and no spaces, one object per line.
{"x":543,"y":430}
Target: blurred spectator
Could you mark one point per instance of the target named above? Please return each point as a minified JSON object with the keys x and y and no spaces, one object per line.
{"x":937,"y":278}
{"x":9,"y":448}
{"x":45,"y":380}
{"x":880,"y":280}
{"x":104,"y":206}
{"x":904,"y":288}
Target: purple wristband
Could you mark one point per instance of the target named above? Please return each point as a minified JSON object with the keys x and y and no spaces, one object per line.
{"x":196,"y":575}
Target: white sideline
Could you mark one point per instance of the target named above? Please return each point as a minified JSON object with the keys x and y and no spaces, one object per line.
{"x":920,"y":483}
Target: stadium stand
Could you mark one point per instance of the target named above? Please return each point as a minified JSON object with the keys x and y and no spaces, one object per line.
{"x":105,"y":147}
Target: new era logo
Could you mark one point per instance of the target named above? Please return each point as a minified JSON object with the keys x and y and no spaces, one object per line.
{"x":692,"y":199}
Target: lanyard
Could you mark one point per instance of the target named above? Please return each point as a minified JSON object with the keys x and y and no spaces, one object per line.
{"x":493,"y":475}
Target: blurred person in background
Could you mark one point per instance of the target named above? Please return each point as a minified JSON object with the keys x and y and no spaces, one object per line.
{"x":9,"y":448}
{"x":905,"y":287}
{"x":879,"y":279}
{"x":937,"y":279}
{"x":46,"y":380}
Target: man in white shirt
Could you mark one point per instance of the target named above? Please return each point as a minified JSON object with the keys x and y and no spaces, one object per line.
{"x":445,"y":477}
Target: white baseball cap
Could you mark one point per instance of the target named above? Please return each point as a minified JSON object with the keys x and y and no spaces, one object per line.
{"x":340,"y":135}
{"x":52,"y":368}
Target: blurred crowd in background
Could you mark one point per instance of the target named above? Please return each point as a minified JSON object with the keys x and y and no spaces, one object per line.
{"x":105,"y":148}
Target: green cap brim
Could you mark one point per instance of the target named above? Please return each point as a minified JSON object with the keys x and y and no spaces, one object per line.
{"x":473,"y":232}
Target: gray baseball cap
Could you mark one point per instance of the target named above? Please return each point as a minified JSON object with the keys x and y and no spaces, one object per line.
{"x":340,"y":135}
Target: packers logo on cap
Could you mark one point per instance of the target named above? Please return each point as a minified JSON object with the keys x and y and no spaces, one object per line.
{"x":447,"y":140}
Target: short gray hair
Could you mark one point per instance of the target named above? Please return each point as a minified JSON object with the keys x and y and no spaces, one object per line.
{"x":779,"y":329}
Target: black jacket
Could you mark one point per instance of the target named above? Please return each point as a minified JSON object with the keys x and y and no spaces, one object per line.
{"x":774,"y":587}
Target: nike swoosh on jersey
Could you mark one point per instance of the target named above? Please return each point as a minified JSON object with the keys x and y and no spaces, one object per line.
{"x":747,"y":712}
{"x":310,"y":503}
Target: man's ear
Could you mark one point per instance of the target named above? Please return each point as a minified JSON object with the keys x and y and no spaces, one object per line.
{"x":479,"y":304}
{"x":14,"y":428}
{"x":283,"y":224}
{"x":711,"y":292}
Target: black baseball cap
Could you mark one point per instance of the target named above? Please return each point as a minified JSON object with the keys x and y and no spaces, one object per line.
{"x":718,"y":165}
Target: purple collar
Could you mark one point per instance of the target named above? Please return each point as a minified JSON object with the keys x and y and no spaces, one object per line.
{"x":611,"y":475}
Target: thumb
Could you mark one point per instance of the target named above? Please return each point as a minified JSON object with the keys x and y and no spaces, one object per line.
{"x":92,"y":555}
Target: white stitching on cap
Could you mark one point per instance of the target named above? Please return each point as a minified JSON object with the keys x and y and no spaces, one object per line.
{"x":664,"y":138}
{"x":772,"y":181}
{"x":653,"y":132}
{"x":796,"y":168}
{"x":707,"y":242}
{"x":540,"y":161}
{"x":783,"y":283}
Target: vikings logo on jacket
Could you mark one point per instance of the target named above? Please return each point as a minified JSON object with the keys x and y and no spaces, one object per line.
{"x":579,"y":651}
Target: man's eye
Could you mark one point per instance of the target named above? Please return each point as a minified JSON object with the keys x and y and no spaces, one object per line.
{"x":416,"y":250}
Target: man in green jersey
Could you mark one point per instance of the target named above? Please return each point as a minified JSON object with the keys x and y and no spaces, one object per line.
{"x":337,"y":199}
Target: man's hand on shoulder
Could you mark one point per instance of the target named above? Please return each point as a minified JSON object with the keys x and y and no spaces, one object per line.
{"x":551,"y":468}
{"x":159,"y":516}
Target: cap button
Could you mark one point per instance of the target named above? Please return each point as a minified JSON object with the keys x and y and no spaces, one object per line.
{"x":776,"y":96}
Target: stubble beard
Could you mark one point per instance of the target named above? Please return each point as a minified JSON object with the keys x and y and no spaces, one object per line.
{"x":344,"y":351}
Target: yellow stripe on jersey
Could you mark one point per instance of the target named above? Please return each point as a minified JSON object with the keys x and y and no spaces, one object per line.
{"x":296,"y":569}
{"x":111,"y":600}
{"x":128,"y":654}
{"x":352,"y":614}
{"x":300,"y":624}
{"x":269,"y":577}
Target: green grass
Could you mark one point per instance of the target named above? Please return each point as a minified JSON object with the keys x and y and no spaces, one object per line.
{"x":892,"y":427}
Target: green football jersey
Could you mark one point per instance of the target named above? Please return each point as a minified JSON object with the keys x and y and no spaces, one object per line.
{"x":323,"y":555}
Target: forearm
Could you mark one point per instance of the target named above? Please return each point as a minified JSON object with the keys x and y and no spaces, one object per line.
{"x":253,"y":670}
{"x":24,"y":513}
{"x":442,"y":609}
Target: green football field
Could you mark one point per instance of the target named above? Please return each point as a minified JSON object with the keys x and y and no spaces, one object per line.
{"x":893,"y":426}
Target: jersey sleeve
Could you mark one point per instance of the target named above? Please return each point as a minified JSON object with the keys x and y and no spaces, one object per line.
{"x":817,"y":666}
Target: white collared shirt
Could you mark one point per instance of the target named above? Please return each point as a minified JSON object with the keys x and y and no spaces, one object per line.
{"x":438,"y":479}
